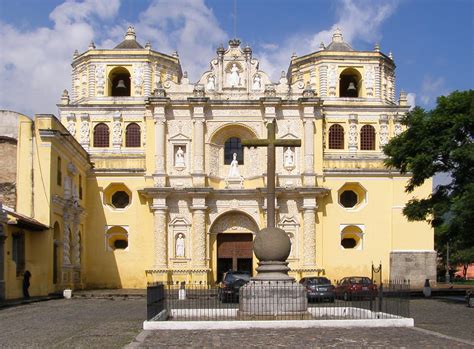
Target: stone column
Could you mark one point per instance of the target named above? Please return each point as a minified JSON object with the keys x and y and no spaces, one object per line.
{"x":91,"y":80}
{"x":160,"y":146}
{"x":198,"y":146}
{"x":353,"y":145}
{"x":308,"y":120}
{"x":66,"y":240}
{"x":160,"y":233}
{"x":309,"y":231}
{"x":199,"y":261}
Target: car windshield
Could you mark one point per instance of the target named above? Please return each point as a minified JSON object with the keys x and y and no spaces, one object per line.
{"x":360,"y":280}
{"x":319,"y":281}
{"x":230,"y":277}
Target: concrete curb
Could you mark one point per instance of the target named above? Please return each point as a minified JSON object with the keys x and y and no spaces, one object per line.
{"x":232,"y":325}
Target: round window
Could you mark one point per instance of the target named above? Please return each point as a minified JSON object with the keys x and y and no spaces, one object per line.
{"x":348,"y":243}
{"x":348,"y":198}
{"x":120,"y":244}
{"x":120,"y":199}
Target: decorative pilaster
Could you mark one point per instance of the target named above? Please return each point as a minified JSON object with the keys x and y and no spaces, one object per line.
{"x":160,"y":146}
{"x":397,"y":127}
{"x":383,"y":130}
{"x":199,"y":261}
{"x":84,"y":138}
{"x":353,"y":133}
{"x":309,"y":236}
{"x":377,"y":82}
{"x":198,"y":140}
{"x":323,"y":80}
{"x":66,"y":240}
{"x":100,"y":79}
{"x":117,"y":132}
{"x":160,"y":233}
{"x":71,"y":124}
{"x":91,"y":81}
{"x":3,"y":236}
{"x":147,"y":79}
{"x":308,"y":120}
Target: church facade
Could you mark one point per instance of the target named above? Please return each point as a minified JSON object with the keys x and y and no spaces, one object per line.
{"x":149,"y":179}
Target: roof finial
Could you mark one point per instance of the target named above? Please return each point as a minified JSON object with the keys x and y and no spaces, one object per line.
{"x":321,"y":46}
{"x":91,"y":45}
{"x":130,"y":34}
{"x":390,"y":55}
{"x":377,"y":47}
{"x":148,"y":45}
{"x":337,"y":36}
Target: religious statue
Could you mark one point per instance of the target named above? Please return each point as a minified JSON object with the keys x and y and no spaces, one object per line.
{"x":234,"y":78}
{"x":211,"y":83}
{"x":180,"y":245}
{"x":179,"y":158}
{"x":257,"y":82}
{"x":289,"y":159}
{"x":234,"y":168}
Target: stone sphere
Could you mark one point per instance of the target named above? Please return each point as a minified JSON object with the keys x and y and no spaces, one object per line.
{"x":272,"y":244}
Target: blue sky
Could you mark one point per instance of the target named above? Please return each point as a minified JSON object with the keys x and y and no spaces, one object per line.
{"x":431,"y":40}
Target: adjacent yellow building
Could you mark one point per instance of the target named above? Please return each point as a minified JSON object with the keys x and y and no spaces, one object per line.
{"x":143,"y":177}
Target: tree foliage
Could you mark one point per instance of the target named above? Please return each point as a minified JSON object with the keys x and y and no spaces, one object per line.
{"x":435,"y":142}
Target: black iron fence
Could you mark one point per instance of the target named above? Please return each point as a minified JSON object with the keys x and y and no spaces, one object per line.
{"x":274,"y":301}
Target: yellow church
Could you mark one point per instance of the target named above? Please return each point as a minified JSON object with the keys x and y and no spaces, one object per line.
{"x":142,"y":176}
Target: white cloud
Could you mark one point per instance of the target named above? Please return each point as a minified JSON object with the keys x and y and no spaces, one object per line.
{"x":188,"y":26}
{"x":411,"y":100}
{"x":431,"y":88}
{"x":36,"y":67}
{"x":359,"y":20}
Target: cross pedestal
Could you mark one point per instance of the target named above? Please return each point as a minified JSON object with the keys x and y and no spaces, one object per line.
{"x":272,"y":293}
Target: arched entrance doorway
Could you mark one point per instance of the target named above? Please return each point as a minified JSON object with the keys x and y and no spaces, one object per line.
{"x":234,"y":252}
{"x":233,"y":234}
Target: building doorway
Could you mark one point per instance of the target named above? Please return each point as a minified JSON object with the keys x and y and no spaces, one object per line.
{"x":234,"y":252}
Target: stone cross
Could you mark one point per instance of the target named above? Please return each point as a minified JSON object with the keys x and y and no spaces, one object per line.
{"x":271,"y":142}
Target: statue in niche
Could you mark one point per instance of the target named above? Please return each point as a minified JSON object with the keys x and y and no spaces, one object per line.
{"x":234,"y":167}
{"x":257,"y":82}
{"x":179,"y":158}
{"x":234,"y":78}
{"x":211,"y":85}
{"x":180,"y":245}
{"x":289,"y":159}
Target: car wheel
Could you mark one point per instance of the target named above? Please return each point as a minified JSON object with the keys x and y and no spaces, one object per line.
{"x":470,"y":302}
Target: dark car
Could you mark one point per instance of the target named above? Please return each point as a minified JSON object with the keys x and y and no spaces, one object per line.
{"x":356,"y":288}
{"x":318,"y":288}
{"x":230,"y":286}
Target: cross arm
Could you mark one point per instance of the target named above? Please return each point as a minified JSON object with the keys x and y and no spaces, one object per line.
{"x":255,"y":142}
{"x":288,"y":143}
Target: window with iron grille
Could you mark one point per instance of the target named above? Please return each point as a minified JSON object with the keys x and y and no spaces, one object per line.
{"x":120,"y":199}
{"x":367,"y":138}
{"x":101,"y":135}
{"x":233,"y":145}
{"x":132,"y":135}
{"x":336,"y":137}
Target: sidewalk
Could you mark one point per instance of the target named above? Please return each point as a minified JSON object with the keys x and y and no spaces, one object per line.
{"x":22,"y":301}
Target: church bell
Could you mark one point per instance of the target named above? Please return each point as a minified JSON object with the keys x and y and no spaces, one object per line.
{"x":121,"y":84}
{"x":351,"y":86}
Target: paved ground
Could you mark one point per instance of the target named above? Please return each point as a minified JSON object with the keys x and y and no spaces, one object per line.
{"x":113,"y":322}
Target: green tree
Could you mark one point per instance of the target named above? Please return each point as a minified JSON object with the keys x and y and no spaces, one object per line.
{"x":435,"y":142}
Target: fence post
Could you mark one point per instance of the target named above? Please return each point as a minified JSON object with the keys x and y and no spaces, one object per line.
{"x":380,"y":297}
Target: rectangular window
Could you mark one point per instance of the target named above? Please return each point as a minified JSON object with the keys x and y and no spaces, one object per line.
{"x":59,"y":174}
{"x":18,"y":252}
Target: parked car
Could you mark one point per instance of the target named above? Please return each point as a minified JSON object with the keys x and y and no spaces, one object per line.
{"x":470,"y":298}
{"x":318,"y":288}
{"x":230,"y":285}
{"x":355,"y":288}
